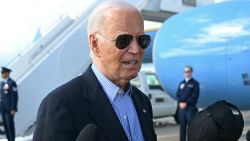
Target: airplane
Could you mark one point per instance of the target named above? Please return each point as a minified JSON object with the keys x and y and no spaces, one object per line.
{"x":214,"y":40}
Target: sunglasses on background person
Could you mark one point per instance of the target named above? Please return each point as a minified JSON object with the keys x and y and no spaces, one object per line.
{"x":187,"y":71}
{"x":123,"y":40}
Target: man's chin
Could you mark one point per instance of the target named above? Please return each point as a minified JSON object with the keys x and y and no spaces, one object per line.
{"x":131,"y":76}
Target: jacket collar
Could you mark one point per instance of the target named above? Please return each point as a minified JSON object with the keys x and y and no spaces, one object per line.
{"x":103,"y":113}
{"x":189,"y":80}
{"x":5,"y":80}
{"x":101,"y":109}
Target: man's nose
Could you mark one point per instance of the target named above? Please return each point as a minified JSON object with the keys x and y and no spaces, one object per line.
{"x":134,"y":47}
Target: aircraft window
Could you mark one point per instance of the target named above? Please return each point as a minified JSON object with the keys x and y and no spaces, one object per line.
{"x":153,"y":81}
{"x":246,"y":79}
{"x":136,"y":82}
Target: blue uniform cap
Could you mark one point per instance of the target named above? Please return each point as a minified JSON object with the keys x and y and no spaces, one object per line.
{"x":4,"y":70}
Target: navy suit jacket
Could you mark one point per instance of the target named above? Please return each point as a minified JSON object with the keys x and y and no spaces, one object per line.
{"x":9,"y":97}
{"x":69,"y":108}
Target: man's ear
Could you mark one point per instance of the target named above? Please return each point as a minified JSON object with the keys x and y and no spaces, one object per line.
{"x":94,"y":45}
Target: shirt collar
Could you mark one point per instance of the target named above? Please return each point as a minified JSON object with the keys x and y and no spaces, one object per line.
{"x":188,"y":79}
{"x":5,"y":80}
{"x":109,"y":87}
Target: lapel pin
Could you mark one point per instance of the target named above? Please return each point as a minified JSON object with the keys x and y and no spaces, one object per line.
{"x":144,"y":110}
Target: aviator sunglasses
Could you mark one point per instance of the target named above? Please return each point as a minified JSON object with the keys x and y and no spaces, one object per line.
{"x":187,"y":71}
{"x":123,"y":40}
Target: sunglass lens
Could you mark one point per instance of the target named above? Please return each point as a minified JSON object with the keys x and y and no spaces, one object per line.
{"x":122,"y":41}
{"x":144,"y":41}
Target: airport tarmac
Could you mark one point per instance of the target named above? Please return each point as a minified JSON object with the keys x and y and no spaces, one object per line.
{"x":166,"y":129}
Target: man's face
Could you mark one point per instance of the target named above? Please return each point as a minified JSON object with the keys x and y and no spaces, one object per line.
{"x":121,"y":64}
{"x":188,"y":72}
{"x":5,"y":75}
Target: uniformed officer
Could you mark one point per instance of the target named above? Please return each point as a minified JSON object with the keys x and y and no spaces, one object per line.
{"x":187,"y":96}
{"x":9,"y":97}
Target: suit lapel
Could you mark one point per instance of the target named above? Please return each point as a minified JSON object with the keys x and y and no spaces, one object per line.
{"x":141,"y":112}
{"x":102,"y":111}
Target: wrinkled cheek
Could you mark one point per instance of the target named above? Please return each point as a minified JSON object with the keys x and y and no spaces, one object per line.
{"x":116,"y":69}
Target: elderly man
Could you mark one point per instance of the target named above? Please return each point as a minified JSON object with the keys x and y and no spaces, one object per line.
{"x":103,"y":95}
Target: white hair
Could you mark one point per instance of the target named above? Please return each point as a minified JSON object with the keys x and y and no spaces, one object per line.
{"x":97,"y":16}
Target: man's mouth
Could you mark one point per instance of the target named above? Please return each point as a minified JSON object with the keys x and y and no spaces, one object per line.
{"x":131,"y":62}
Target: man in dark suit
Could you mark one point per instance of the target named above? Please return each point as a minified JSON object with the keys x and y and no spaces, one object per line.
{"x":187,"y":96}
{"x":103,"y":95}
{"x":8,"y":104}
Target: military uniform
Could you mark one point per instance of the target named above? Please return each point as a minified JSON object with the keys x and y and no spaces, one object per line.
{"x":9,"y":98}
{"x":188,"y":92}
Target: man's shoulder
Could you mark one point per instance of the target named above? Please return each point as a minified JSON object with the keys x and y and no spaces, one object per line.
{"x":11,"y":81}
{"x":195,"y":81}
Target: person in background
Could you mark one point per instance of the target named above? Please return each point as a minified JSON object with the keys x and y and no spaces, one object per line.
{"x":103,"y":96}
{"x":187,"y":96}
{"x":9,"y":98}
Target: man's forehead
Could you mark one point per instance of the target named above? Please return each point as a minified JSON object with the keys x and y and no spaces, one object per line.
{"x":124,"y":30}
{"x":128,"y":32}
{"x":121,"y":21}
